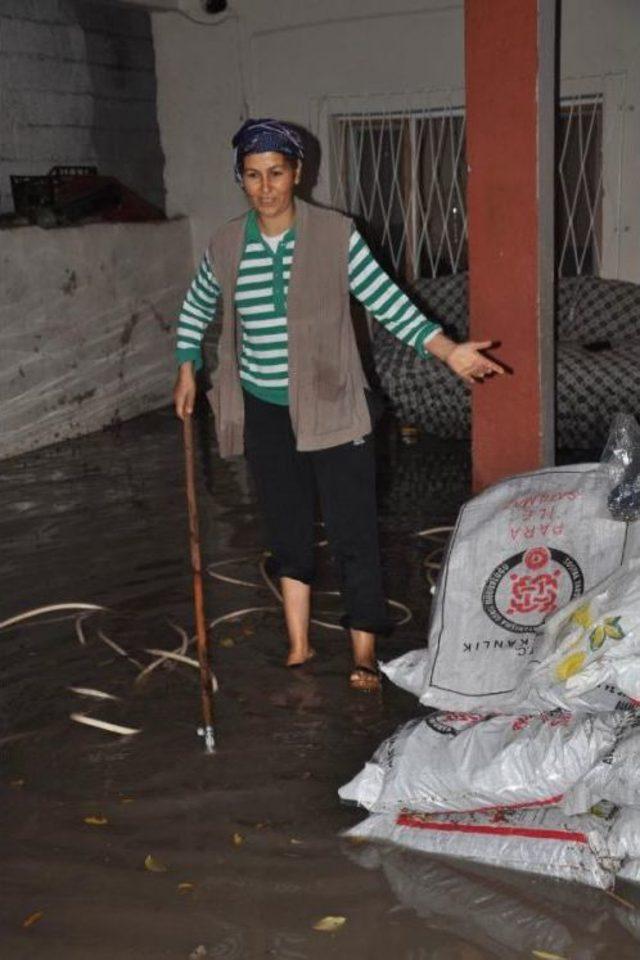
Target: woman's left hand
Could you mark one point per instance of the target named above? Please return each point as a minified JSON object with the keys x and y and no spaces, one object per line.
{"x":469,"y":362}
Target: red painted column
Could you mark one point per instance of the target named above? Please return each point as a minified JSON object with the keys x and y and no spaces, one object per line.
{"x":509,"y":50}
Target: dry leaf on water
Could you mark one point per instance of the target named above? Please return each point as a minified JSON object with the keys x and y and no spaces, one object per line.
{"x":33,"y":918}
{"x":127,"y":800}
{"x":329,"y":924}
{"x":186,"y":887}
{"x":545,"y":955}
{"x":16,"y":784}
{"x":295,"y":840}
{"x":237,"y":839}
{"x":227,"y":642}
{"x":96,"y":820}
{"x":153,"y":865}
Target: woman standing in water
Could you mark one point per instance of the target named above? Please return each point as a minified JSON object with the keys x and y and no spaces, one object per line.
{"x":289,"y":390}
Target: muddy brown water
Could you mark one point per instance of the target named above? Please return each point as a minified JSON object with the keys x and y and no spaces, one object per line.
{"x":255,"y":830}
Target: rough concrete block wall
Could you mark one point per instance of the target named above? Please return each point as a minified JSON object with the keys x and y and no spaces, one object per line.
{"x":92,"y":341}
{"x":78,"y":86}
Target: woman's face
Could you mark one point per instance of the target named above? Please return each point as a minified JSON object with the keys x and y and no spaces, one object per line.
{"x":268,"y":180}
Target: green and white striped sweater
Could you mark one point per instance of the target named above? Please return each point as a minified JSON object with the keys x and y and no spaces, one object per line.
{"x":261,"y":304}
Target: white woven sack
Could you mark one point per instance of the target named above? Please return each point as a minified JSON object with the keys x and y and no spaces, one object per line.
{"x":541,"y":841}
{"x":630,"y":870}
{"x":624,"y":836}
{"x":592,"y":644}
{"x":464,"y":762}
{"x":615,"y":777}
{"x":520,"y":551}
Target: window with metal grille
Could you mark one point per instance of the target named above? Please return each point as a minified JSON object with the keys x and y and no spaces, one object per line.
{"x":579,"y":187}
{"x":405,"y":177}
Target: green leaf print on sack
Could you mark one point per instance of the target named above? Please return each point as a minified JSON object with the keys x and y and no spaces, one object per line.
{"x":610,"y":628}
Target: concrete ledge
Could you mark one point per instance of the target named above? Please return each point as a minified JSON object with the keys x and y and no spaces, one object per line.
{"x":87,"y":326}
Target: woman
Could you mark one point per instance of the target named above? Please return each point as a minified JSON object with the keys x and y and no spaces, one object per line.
{"x":289,"y":389}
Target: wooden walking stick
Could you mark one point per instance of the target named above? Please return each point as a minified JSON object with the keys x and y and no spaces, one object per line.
{"x":206,"y":686}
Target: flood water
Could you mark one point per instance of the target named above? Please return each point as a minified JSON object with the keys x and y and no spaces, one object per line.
{"x":246,"y":844}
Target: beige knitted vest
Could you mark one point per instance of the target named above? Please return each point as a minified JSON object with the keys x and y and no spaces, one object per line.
{"x":326,"y":381}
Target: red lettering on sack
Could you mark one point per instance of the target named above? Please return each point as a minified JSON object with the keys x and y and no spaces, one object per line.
{"x":520,"y":723}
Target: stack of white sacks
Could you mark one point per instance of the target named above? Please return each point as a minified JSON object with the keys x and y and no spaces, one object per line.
{"x":532,"y":758}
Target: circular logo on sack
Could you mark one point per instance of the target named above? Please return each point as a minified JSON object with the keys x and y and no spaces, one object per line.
{"x":528,"y":587}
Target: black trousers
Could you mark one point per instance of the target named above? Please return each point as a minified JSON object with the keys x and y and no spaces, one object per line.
{"x":287,"y":482}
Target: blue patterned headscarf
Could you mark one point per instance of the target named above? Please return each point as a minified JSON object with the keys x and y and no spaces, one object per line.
{"x":265,"y":136}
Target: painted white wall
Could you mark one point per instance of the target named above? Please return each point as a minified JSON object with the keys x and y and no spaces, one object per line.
{"x":77,"y":86}
{"x":600,"y":42}
{"x":280,"y":59}
{"x":293,"y":58}
{"x":88,"y":338}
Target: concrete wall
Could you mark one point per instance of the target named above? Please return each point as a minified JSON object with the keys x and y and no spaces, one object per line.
{"x":77,"y":86}
{"x":298,"y":59}
{"x":87,"y":324}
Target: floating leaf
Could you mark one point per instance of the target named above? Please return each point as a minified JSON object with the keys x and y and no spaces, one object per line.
{"x":227,"y":642}
{"x":16,"y":784}
{"x":237,"y":839}
{"x":329,"y":924}
{"x":186,"y":887}
{"x":96,"y":820}
{"x":570,"y":665}
{"x":597,"y":638}
{"x":545,"y":955}
{"x":153,"y":865}
{"x":295,"y":841}
{"x":127,"y":800}
{"x":33,"y":918}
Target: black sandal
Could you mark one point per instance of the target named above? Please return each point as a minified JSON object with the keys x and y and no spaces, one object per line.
{"x":369,"y":681}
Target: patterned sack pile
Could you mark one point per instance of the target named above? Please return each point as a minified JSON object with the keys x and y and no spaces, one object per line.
{"x":520,"y":552}
{"x":465,"y":762}
{"x":542,"y":841}
{"x":531,"y":759}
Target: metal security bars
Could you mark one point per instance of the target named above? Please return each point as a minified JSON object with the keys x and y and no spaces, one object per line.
{"x":404,"y":173}
{"x":579,"y":188}
{"x":405,"y":176}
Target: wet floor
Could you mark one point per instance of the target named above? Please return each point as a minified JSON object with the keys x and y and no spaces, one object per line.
{"x":245,"y":845}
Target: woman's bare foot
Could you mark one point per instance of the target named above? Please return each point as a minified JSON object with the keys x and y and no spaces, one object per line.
{"x":365,"y":675}
{"x":296,"y":597}
{"x":298,"y":658}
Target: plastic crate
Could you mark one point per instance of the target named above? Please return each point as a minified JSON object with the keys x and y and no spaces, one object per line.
{"x":31,"y":192}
